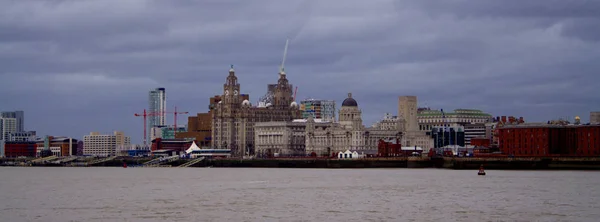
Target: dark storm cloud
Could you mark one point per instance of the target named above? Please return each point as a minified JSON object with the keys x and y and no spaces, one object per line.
{"x":93,"y":62}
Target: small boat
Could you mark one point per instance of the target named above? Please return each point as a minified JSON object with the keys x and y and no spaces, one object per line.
{"x":481,"y":171}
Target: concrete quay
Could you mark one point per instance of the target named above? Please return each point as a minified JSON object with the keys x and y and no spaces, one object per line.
{"x":457,"y":163}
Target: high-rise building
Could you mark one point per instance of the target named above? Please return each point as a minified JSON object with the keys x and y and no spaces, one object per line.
{"x":157,"y":102}
{"x":104,"y":145}
{"x":19,"y":116}
{"x":318,"y":109}
{"x":7,"y":127}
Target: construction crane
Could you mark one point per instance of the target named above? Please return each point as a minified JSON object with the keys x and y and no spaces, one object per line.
{"x":175,"y":114}
{"x":295,"y":91}
{"x":145,"y":115}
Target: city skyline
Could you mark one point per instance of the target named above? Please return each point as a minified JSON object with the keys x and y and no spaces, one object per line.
{"x":96,"y":70}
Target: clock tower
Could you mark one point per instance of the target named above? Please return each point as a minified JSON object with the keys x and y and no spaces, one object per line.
{"x":231,"y":90}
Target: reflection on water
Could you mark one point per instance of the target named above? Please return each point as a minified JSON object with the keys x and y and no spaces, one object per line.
{"x":237,"y":194}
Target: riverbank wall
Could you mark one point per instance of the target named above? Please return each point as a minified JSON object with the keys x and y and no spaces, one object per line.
{"x":457,"y":163}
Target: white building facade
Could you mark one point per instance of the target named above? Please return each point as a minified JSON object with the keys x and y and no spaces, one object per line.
{"x":104,"y":145}
{"x":318,"y":137}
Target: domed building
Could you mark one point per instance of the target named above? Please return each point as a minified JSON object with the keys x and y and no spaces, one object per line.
{"x":234,"y":117}
{"x":348,"y":133}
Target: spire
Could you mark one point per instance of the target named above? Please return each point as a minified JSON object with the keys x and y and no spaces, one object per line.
{"x":231,"y":69}
{"x":349,"y":95}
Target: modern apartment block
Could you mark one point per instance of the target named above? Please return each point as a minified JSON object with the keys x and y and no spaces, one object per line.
{"x":318,"y":109}
{"x":19,"y":116}
{"x":104,"y":145}
{"x":7,"y":127}
{"x":157,"y":107}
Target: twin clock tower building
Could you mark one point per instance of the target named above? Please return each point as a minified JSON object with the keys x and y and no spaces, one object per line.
{"x":234,"y":116}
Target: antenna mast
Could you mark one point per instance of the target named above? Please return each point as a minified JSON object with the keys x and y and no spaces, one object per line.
{"x":282,"y":68}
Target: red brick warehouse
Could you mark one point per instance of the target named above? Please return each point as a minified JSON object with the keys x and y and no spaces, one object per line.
{"x":550,"y":140}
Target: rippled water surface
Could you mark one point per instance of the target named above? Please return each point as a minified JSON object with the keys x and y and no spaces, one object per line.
{"x":239,"y":194}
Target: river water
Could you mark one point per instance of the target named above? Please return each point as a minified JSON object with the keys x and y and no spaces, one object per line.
{"x":258,"y":194}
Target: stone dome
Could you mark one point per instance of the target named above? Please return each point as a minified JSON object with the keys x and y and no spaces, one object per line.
{"x":245,"y":103}
{"x":294,"y":104}
{"x":349,"y":101}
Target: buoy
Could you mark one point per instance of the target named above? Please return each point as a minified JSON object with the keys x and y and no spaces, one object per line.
{"x":481,"y":171}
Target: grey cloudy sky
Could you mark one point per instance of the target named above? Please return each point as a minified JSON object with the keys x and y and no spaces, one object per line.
{"x":81,"y":66}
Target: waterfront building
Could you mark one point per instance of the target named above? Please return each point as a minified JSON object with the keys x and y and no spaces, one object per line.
{"x":413,"y":135}
{"x":448,"y":137}
{"x":157,"y":106}
{"x":280,"y":138}
{"x":133,"y":150}
{"x":19,"y":116}
{"x":349,"y":133}
{"x":348,"y":155}
{"x":429,"y":118}
{"x":388,"y":122}
{"x":156,"y":132}
{"x":471,"y":121}
{"x":22,"y":136}
{"x":389,"y":148}
{"x":595,"y":117}
{"x":539,"y":139}
{"x":7,"y":127}
{"x":171,"y":145}
{"x":318,"y":109}
{"x":198,"y":128}
{"x":474,"y":130}
{"x":20,"y":149}
{"x":169,"y":132}
{"x":165,"y":132}
{"x":79,"y":148}
{"x":104,"y":144}
{"x":58,"y":145}
{"x":318,"y":137}
{"x":234,"y":118}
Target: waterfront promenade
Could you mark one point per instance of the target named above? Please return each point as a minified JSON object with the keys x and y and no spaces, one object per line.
{"x":572,"y":163}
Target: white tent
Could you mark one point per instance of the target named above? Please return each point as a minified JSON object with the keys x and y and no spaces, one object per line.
{"x":192,"y":148}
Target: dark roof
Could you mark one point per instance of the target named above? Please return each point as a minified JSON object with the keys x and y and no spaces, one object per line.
{"x":349,"y":101}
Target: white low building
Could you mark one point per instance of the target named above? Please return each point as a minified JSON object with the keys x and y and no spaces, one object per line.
{"x":348,"y":155}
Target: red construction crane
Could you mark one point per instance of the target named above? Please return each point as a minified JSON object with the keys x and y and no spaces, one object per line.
{"x":145,"y":114}
{"x":295,"y":91}
{"x":175,"y":114}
